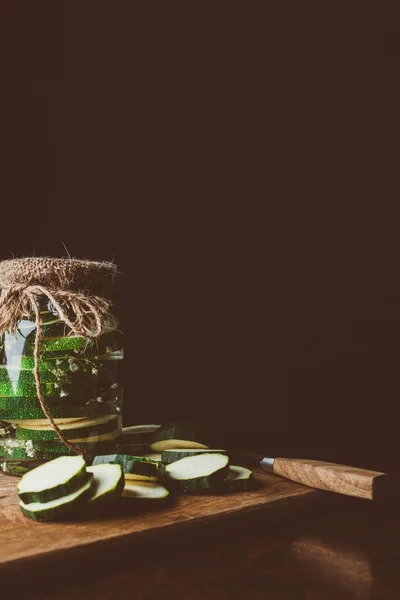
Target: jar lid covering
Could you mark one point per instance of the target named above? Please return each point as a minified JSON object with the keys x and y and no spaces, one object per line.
{"x":57,"y":273}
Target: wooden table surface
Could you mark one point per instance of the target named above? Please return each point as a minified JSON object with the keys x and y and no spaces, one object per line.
{"x":347,"y":549}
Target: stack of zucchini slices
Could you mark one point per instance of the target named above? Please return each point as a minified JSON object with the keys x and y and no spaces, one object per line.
{"x":66,"y":488}
{"x":79,"y":383}
{"x":174,"y":458}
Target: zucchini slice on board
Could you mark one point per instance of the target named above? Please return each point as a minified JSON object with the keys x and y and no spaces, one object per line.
{"x":172,"y":455}
{"x":155,"y":456}
{"x":138,"y":434}
{"x":198,"y":473}
{"x":108,"y":484}
{"x":61,"y":508}
{"x":240,"y":479}
{"x":52,"y":480}
{"x":132,"y":449}
{"x":143,"y":490}
{"x":131,"y":465}
{"x":178,"y":435}
{"x":135,"y":477}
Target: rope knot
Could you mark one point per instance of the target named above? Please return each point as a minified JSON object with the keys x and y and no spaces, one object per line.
{"x":83,"y":314}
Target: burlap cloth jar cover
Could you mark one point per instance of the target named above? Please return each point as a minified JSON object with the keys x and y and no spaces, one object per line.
{"x":59,"y":351}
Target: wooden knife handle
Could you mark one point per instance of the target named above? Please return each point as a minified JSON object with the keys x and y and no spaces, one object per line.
{"x":331,"y":477}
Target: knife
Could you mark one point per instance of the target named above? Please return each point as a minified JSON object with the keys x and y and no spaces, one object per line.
{"x":331,"y":477}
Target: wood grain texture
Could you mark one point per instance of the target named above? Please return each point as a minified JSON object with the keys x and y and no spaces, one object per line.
{"x":26,"y":541}
{"x":340,"y":479}
{"x":347,"y":550}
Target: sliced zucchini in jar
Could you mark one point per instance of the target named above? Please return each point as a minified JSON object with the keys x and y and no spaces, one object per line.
{"x":84,"y":430}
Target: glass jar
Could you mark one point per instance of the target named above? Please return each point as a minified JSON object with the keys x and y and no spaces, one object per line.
{"x":79,"y":383}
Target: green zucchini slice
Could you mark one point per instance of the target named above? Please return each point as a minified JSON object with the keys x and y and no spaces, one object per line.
{"x":136,"y":477}
{"x":178,"y":435}
{"x":52,"y":480}
{"x":132,"y":449}
{"x":65,"y":507}
{"x":26,"y":411}
{"x":108,"y":484}
{"x":57,"y":344}
{"x":15,"y":375}
{"x":43,"y":422}
{"x":84,"y":388}
{"x":138,"y":434}
{"x":143,"y":490}
{"x":239,"y":479}
{"x":14,"y":405}
{"x":131,"y":465}
{"x":86,"y":430}
{"x":64,"y":423}
{"x":155,"y":456}
{"x":172,"y":455}
{"x":162,"y":445}
{"x":198,"y":473}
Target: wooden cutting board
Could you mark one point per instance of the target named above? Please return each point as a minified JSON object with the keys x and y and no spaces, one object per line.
{"x":26,"y":543}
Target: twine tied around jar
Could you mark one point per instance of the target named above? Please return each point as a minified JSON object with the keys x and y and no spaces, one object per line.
{"x":22,"y":280}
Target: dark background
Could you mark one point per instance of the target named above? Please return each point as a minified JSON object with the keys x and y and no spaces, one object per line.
{"x":240,"y":165}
